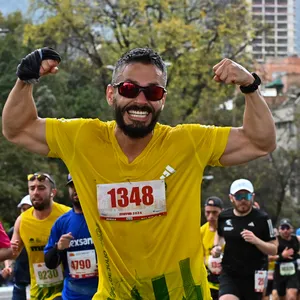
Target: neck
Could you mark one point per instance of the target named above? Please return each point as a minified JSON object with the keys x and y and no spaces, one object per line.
{"x":212,"y":226}
{"x":77,"y":210}
{"x":239,"y":214}
{"x":286,"y":238}
{"x":42,"y":214}
{"x":131,"y":147}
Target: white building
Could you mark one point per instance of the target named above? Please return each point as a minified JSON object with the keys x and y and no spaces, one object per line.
{"x":280,"y":40}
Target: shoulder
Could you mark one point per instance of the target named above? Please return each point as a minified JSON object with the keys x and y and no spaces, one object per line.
{"x":259,"y":213}
{"x":61,"y":207}
{"x":203,"y":228}
{"x":226,"y":213}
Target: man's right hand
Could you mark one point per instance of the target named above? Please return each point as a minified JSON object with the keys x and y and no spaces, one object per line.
{"x":64,"y":241}
{"x":216,"y":251}
{"x":38,"y":63}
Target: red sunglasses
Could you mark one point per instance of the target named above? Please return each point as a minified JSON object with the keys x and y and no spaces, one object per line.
{"x":131,"y":90}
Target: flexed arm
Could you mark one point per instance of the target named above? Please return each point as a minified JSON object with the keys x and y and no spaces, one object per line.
{"x":257,"y":136}
{"x":20,"y":122}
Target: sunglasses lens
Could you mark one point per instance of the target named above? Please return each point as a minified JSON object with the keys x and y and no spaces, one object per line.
{"x":128,"y":90}
{"x":154,"y":93}
{"x":246,"y":196}
{"x":285,"y":227}
{"x":39,"y":177}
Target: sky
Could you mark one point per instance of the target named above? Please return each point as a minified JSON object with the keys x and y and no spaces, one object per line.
{"x":8,"y":6}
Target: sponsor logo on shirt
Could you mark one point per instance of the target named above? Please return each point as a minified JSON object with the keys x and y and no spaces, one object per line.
{"x":81,"y":242}
{"x":228,"y":228}
{"x":167,"y":172}
{"x":251,"y":224}
{"x":228,"y":222}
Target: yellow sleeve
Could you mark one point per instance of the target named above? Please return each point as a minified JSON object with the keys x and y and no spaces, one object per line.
{"x":209,"y":142}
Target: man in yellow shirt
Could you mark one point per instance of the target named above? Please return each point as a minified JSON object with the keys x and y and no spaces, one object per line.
{"x":139,"y":181}
{"x":212,"y":208}
{"x":32,"y":229}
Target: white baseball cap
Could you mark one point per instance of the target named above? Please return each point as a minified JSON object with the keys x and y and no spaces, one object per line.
{"x":25,"y":200}
{"x":241,"y":184}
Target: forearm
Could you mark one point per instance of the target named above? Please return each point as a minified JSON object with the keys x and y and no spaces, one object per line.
{"x":53,"y":258}
{"x":19,"y":110}
{"x":6,"y":253}
{"x":258,"y":123}
{"x":267,"y":248}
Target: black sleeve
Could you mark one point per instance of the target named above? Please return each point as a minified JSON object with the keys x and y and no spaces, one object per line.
{"x":220,"y":226}
{"x":53,"y":258}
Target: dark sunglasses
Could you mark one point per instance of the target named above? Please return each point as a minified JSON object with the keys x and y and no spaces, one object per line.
{"x":285,"y":227}
{"x":39,"y":177}
{"x":132,"y":90}
{"x":243,"y":196}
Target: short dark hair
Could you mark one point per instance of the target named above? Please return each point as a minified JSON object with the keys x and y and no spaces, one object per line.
{"x":145,"y":56}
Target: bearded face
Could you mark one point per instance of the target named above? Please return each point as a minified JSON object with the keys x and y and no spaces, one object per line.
{"x":142,"y":119}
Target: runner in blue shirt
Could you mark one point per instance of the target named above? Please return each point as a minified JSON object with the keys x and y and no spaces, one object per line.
{"x":70,"y":243}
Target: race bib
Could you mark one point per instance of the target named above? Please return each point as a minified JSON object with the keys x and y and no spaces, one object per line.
{"x":214,"y":265}
{"x":260,"y":281}
{"x":287,"y":268}
{"x":46,"y":277}
{"x":82,"y":264}
{"x":128,"y":201}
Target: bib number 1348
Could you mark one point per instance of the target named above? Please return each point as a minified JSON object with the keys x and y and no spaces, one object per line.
{"x":131,"y":200}
{"x":122,"y":196}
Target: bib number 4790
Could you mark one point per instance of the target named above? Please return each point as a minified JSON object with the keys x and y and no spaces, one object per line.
{"x":122,"y":197}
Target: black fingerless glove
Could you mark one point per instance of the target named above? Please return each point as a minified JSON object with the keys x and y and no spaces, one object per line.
{"x":29,"y":68}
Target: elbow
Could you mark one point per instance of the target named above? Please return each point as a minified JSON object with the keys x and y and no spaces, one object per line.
{"x":10,"y":136}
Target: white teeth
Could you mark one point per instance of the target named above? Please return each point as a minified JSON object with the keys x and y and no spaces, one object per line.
{"x":138,"y":112}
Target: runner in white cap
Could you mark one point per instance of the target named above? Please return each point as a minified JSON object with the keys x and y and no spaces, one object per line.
{"x":249,"y":237}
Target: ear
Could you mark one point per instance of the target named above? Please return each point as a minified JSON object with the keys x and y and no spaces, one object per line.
{"x":53,"y":193}
{"x":110,"y":95}
{"x":230,"y":198}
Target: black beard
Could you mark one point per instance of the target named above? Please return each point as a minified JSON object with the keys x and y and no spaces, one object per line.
{"x":75,"y":203}
{"x":137,"y":130}
{"x":41,"y":206}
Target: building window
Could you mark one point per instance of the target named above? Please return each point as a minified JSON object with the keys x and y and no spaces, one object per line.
{"x":282,"y":2}
{"x":257,"y":2}
{"x":282,"y":26}
{"x":256,"y":9}
{"x":282,"y":33}
{"x":270,"y":49}
{"x":282,"y":49}
{"x":269,"y":9}
{"x":257,"y":41}
{"x":270,"y":18}
{"x":269,"y":2}
{"x":281,"y":18}
{"x":257,"y":48}
{"x":270,"y":41}
{"x":282,"y":41}
{"x":281,"y":10}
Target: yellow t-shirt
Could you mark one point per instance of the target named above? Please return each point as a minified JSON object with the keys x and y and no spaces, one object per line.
{"x":208,"y":242}
{"x":154,"y":258}
{"x":44,"y":283}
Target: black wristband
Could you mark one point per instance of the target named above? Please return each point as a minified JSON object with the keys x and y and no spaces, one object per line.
{"x":252,"y":87}
{"x":29,"y":68}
